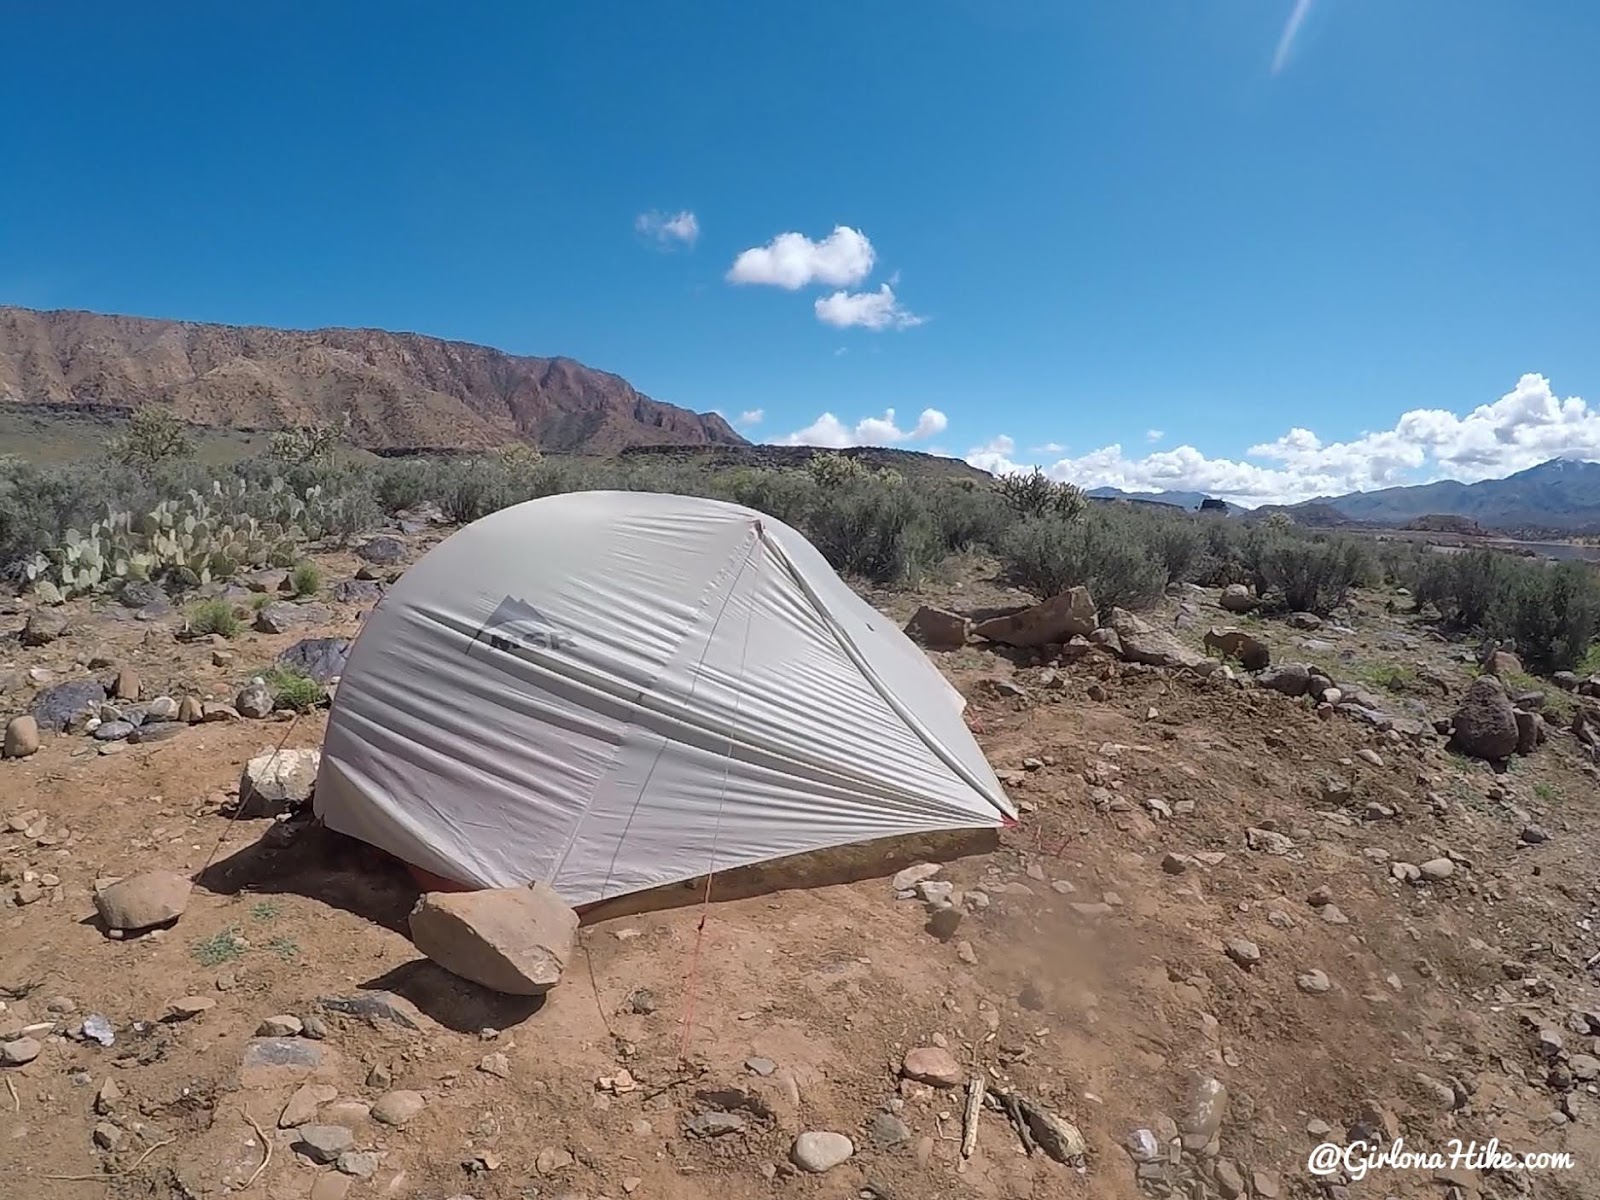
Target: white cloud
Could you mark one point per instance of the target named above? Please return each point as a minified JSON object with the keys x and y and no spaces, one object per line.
{"x":1527,"y":426}
{"x":1291,"y":27}
{"x":1153,"y":435}
{"x":791,"y":260}
{"x":750,"y":418}
{"x":827,"y":430}
{"x":870,"y":310}
{"x":667,"y":229}
{"x":1047,"y":448}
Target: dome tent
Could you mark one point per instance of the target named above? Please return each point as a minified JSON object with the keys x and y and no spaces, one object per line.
{"x":612,"y":691}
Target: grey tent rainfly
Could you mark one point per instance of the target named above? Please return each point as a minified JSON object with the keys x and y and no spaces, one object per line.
{"x":611,"y":691}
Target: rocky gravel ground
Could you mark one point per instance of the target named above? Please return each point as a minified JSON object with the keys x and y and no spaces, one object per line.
{"x":1346,"y":895}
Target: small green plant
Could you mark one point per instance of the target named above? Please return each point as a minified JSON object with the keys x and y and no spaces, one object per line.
{"x":1390,"y":676}
{"x":306,"y":579}
{"x":1548,"y":793}
{"x":260,"y":600}
{"x":221,"y":947}
{"x":285,"y":948}
{"x":294,"y":689}
{"x":265,"y":910}
{"x":214,"y":616}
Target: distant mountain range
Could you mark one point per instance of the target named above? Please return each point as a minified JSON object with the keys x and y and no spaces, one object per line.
{"x":1187,"y":500}
{"x":1562,"y":494}
{"x":403,"y":391}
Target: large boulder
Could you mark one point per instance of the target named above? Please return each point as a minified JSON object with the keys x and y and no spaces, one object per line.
{"x":1236,"y":598}
{"x":511,"y":940}
{"x":67,"y":704}
{"x":277,"y":782}
{"x":1485,"y":725}
{"x":323,"y":658}
{"x":144,"y":900}
{"x":938,"y":629}
{"x":1069,"y":614}
{"x":358,"y":591}
{"x":1251,"y":652}
{"x":1142,"y":643}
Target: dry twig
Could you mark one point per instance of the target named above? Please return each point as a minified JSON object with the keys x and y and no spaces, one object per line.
{"x":127,"y":1170}
{"x":266,"y":1148}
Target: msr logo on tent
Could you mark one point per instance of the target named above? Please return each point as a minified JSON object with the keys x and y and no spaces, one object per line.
{"x":517,"y":625}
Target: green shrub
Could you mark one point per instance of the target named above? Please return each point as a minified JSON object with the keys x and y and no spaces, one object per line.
{"x":1035,"y":494}
{"x":155,"y":435}
{"x":294,"y":689}
{"x":214,"y":616}
{"x":1310,"y":574}
{"x":305,"y":578}
{"x":874,"y":529}
{"x":1047,"y":555}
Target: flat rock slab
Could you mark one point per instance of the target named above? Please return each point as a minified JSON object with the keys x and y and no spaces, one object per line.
{"x":1064,"y":616}
{"x":511,"y":940}
{"x":286,"y":1062}
{"x":373,"y":1007}
{"x":281,"y":616}
{"x":358,"y":591}
{"x":384,"y":551}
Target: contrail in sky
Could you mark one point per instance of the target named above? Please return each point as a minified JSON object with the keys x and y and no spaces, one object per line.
{"x":1286,"y":42}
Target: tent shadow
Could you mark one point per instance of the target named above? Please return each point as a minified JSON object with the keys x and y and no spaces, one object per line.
{"x":313,"y":861}
{"x":452,"y":1001}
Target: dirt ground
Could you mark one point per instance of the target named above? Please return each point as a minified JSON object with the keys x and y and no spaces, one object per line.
{"x":1096,"y":978}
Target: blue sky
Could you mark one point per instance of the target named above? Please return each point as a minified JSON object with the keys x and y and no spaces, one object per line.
{"x":1266,"y":248}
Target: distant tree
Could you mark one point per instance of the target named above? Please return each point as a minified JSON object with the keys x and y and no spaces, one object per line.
{"x":155,"y":435}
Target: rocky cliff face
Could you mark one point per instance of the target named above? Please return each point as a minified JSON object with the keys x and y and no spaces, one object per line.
{"x":403,"y":390}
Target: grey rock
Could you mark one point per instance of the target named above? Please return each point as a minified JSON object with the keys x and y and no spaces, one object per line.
{"x":112,"y":731}
{"x":372,"y":1007}
{"x":323,"y":1143}
{"x":358,"y":591}
{"x":1436,"y":869}
{"x":1291,"y":679}
{"x":323,"y":658}
{"x":56,"y":708}
{"x":254,"y":701}
{"x":382,"y":551}
{"x":157,"y":731}
{"x":283,"y":616}
{"x":818,"y":1151}
{"x":361,"y":1164}
{"x":19,"y":1052}
{"x":1527,"y":730}
{"x":886,"y":1129}
{"x":1304,"y":621}
{"x":1204,"y":1110}
{"x":1534,"y":834}
{"x":44,"y":626}
{"x":282,"y":1026}
{"x":715,"y":1124}
{"x":909,"y":877}
{"x":1141,"y":643}
{"x":1313,"y":981}
{"x":268,"y":579}
{"x":141,"y":593}
{"x":162,"y":708}
{"x":270,"y":1062}
{"x":1244,"y":952}
{"x":1485,"y":725}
